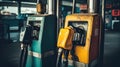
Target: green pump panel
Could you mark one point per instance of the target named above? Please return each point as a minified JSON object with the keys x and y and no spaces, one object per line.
{"x":42,"y":50}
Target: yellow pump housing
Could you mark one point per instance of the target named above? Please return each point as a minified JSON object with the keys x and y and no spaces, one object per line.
{"x":90,"y":50}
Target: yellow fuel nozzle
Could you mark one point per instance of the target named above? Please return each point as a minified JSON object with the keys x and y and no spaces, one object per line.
{"x":64,"y":44}
{"x":65,"y":38}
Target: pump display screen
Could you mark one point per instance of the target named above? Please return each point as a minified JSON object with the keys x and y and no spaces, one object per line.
{"x":36,"y":29}
{"x":80,"y":28}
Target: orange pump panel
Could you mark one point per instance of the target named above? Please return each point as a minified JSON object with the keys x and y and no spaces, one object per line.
{"x":83,"y":52}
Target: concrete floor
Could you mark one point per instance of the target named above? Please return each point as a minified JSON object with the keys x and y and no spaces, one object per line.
{"x":10,"y":53}
{"x":112,"y":49}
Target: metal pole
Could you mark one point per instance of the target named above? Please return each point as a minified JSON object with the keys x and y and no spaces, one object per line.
{"x":58,"y":9}
{"x":92,"y":6}
{"x":101,"y":51}
{"x":73,"y":7}
{"x":37,"y":1}
{"x":54,"y":7}
{"x":50,"y":6}
{"x":98,"y":6}
{"x":19,"y":8}
{"x":58,"y":14}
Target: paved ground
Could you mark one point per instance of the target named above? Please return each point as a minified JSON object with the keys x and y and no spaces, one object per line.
{"x":10,"y":53}
{"x":112,"y":49}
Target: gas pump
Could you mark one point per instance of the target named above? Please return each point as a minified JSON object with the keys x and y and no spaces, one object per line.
{"x":83,"y":49}
{"x":86,"y":39}
{"x":38,"y":40}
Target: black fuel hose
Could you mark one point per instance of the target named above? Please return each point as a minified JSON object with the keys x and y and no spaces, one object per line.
{"x":59,"y":57}
{"x":23,"y":56}
{"x":27,"y":40}
{"x":65,"y":58}
{"x":62,"y":62}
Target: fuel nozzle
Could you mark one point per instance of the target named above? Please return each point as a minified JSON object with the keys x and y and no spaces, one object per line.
{"x":64,"y":45}
{"x":65,"y":38}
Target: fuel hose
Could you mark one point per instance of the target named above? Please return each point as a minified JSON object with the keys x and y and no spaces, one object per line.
{"x":59,"y":58}
{"x":23,"y":56}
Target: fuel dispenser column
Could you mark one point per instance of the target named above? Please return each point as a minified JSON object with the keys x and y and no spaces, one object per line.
{"x":85,"y":42}
{"x":41,"y":51}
